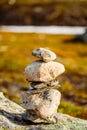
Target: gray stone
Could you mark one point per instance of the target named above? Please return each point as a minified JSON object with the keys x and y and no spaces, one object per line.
{"x":41,"y":85}
{"x":40,"y":71}
{"x":12,"y":118}
{"x":45,"y":54}
{"x":41,"y":105}
{"x":79,"y":38}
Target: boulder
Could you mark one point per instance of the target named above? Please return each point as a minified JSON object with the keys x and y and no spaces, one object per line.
{"x":80,"y":38}
{"x":12,"y":118}
{"x":39,"y":71}
{"x":44,"y":54}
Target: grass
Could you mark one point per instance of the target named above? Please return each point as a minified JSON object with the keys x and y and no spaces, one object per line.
{"x":72,"y":109}
{"x":15,"y":55}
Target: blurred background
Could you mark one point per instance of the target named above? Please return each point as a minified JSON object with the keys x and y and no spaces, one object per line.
{"x":59,"y":25}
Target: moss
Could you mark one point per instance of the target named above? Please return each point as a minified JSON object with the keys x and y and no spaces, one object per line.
{"x":72,"y":109}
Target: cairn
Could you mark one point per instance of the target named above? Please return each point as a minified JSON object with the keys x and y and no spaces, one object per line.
{"x":42,"y":99}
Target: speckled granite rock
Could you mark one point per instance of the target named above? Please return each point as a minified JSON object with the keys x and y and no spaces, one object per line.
{"x":43,"y":72}
{"x":12,"y":118}
{"x":44,"y":54}
{"x":41,"y":104}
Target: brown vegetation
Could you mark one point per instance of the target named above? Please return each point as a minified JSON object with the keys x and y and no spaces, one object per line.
{"x":72,"y":13}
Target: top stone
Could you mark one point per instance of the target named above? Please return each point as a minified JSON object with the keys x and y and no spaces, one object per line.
{"x":45,"y":54}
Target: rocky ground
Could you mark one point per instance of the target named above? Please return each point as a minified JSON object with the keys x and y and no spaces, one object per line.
{"x":12,"y":119}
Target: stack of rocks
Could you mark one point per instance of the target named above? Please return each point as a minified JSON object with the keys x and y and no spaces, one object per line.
{"x":42,"y":99}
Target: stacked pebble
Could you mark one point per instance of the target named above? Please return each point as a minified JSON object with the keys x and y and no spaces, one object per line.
{"x":42,"y":99}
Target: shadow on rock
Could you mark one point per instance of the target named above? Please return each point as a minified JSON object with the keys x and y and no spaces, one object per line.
{"x":19,"y":119}
{"x":16,"y":118}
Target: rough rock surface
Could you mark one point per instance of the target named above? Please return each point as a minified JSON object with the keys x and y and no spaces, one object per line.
{"x":40,"y":85}
{"x":43,"y":104}
{"x":11,"y":118}
{"x":43,"y":72}
{"x":45,"y":54}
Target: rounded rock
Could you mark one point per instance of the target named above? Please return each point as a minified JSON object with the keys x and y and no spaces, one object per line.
{"x":43,"y":104}
{"x":45,"y":54}
{"x":40,"y":71}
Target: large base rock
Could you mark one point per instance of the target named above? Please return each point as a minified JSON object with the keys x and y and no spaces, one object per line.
{"x":42,"y":105}
{"x":11,"y":118}
{"x":31,"y":116}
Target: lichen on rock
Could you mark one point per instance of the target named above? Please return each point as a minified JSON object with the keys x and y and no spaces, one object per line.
{"x":12,"y":118}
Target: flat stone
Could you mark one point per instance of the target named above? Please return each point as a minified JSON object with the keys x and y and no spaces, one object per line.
{"x":41,"y":105}
{"x":42,"y":85}
{"x":45,"y":54}
{"x":40,"y":71}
